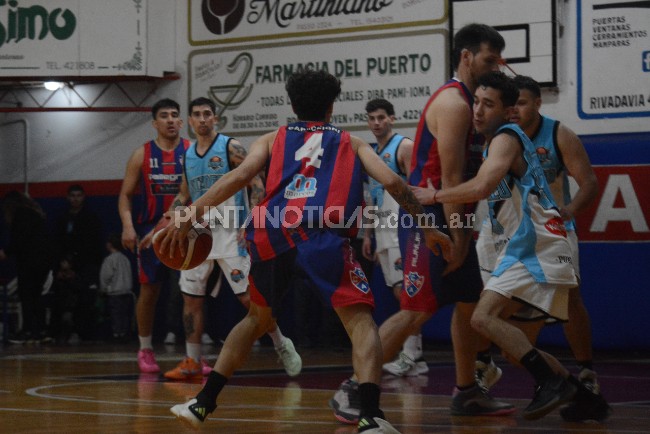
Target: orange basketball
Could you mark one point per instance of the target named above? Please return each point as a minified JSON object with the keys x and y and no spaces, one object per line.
{"x":197,"y":246}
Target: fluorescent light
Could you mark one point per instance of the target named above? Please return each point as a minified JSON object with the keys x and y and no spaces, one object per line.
{"x":53,"y":85}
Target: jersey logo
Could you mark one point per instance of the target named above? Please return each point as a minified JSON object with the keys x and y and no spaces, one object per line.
{"x":556,"y":226}
{"x":413,"y":282}
{"x":215,"y":163}
{"x":301,"y":186}
{"x":237,"y":275}
{"x":398,"y":265}
{"x":359,"y":280}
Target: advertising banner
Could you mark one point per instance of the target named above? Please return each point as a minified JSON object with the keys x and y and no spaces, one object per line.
{"x":225,"y":21}
{"x":247,"y":82}
{"x":613,"y":58}
{"x":72,"y":37}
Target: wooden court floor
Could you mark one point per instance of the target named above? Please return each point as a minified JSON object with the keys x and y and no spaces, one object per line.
{"x":97,"y":389}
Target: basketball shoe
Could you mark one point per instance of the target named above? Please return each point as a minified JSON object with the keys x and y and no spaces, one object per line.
{"x":375,"y":425}
{"x":404,"y":366}
{"x":346,"y":402}
{"x":289,"y":357}
{"x":147,"y":361}
{"x":549,"y":395}
{"x":187,"y":369}
{"x":192,"y":413}
{"x":476,"y":402}
{"x":487,"y":375}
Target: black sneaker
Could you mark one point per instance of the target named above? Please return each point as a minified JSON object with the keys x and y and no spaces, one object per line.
{"x":346,"y":402}
{"x":586,"y":406}
{"x":548,"y":396}
{"x":477,"y":402}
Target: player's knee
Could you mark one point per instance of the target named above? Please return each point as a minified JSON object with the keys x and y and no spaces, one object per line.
{"x":479,"y":321}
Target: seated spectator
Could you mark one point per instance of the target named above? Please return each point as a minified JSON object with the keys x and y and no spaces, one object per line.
{"x":115,"y":280}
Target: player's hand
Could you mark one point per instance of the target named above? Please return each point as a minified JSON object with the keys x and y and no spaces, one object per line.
{"x":175,"y":232}
{"x":456,"y":259}
{"x":129,"y":239}
{"x":146,"y":242}
{"x":366,"y":248}
{"x":424,"y":195}
{"x":439,"y":242}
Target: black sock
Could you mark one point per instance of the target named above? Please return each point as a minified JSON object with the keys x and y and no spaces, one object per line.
{"x":369,"y":400}
{"x":208,"y":395}
{"x":484,"y":356}
{"x":585,"y":364}
{"x":535,"y":363}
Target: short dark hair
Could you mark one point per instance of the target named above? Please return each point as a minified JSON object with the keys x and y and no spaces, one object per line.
{"x":164,"y":103}
{"x":378,"y":104}
{"x":471,"y":37}
{"x":115,"y":240}
{"x":523,"y":82}
{"x":504,"y":84}
{"x":312,"y":93}
{"x":75,"y":187}
{"x":202,"y":101}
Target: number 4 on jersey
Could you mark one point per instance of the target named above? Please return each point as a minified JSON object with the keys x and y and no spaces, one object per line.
{"x":311,"y":150}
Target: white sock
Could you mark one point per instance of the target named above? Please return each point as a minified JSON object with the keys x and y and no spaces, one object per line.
{"x":277,"y":337}
{"x":145,"y":343}
{"x":413,"y":346}
{"x":193,"y":351}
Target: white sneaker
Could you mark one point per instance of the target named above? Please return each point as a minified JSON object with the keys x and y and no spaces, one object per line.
{"x":170,"y":339}
{"x":404,"y":366}
{"x":289,"y":357}
{"x":206,"y":339}
{"x":376,"y":425}
{"x":486,"y":375}
{"x":191,"y":414}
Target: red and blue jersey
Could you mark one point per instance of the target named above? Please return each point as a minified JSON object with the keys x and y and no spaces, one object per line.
{"x":425,"y":161}
{"x":314,"y":182}
{"x":162,"y":173}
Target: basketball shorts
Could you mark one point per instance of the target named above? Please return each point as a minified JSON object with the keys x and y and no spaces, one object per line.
{"x":235,"y":269}
{"x":391,"y":265}
{"x":328,"y":262}
{"x":150,"y":269}
{"x":539,"y":300}
{"x":425,"y":289}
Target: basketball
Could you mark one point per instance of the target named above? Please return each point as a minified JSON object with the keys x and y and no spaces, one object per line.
{"x":197,"y":246}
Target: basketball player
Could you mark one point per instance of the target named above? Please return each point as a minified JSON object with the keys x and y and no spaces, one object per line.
{"x":206,"y":160}
{"x":447,"y":153}
{"x":157,"y":167}
{"x":303,"y":159}
{"x":396,"y":151}
{"x":560,"y":152}
{"x":533,"y":271}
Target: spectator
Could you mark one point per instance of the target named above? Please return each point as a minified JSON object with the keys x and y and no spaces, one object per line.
{"x":115,"y":280}
{"x":29,"y":245}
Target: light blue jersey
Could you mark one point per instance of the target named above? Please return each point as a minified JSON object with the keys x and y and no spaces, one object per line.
{"x":201,"y":172}
{"x":545,"y":141}
{"x":387,"y":207}
{"x":526,"y":224}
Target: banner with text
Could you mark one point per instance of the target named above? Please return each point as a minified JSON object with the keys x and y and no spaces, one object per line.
{"x":72,"y":37}
{"x":223,"y":21}
{"x":613,"y":59}
{"x":247,"y":84}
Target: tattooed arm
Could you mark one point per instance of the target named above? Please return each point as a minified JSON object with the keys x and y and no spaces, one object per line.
{"x":236,"y":155}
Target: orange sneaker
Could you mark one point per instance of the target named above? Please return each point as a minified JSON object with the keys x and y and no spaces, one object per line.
{"x":187,"y":369}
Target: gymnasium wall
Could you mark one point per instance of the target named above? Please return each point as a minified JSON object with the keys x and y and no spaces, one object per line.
{"x":595,"y":59}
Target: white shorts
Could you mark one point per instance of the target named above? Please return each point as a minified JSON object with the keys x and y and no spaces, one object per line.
{"x":575,"y":253}
{"x":391,"y":265}
{"x":539,"y":300}
{"x":235,"y":269}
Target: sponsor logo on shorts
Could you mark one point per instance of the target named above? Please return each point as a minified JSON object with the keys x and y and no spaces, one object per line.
{"x":398,"y":265}
{"x":556,"y":226}
{"x":359,"y":280}
{"x":413,"y":282}
{"x":237,"y":275}
{"x":562,"y":259}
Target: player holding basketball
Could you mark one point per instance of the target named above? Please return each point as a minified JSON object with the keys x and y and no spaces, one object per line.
{"x":207,"y":160}
{"x":156,"y":166}
{"x":533,"y":271}
{"x":304,"y":158}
